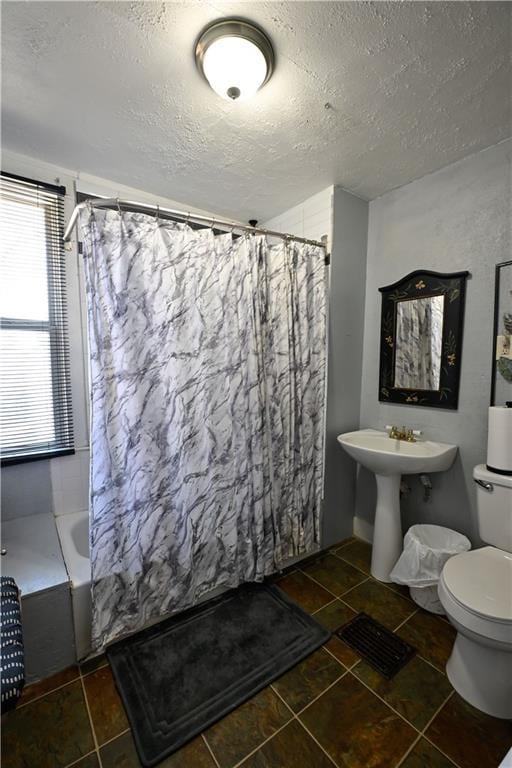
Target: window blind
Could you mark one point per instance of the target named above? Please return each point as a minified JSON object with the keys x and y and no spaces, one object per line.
{"x":35,"y":393}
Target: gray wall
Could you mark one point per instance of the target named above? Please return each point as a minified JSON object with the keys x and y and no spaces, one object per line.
{"x":346,"y":324}
{"x":457,"y":218}
{"x":48,"y":634}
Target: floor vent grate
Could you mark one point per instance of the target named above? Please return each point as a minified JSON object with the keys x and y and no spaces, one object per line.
{"x":381,"y":648}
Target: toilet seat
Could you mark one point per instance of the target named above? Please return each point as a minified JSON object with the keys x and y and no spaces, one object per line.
{"x":481,"y":580}
{"x":476,"y":590}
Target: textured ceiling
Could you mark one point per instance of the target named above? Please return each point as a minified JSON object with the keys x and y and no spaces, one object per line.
{"x":366,"y":95}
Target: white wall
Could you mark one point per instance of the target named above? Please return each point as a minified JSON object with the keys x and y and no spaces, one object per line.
{"x":311,"y":219}
{"x":455,"y":219}
{"x":344,"y":218}
{"x":61,"y":484}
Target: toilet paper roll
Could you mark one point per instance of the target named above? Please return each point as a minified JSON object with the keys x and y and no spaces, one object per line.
{"x":499,"y":440}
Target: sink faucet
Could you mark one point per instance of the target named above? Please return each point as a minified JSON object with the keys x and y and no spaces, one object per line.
{"x":402,"y":433}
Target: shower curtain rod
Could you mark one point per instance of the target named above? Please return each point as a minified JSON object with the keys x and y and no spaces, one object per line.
{"x":101,"y":202}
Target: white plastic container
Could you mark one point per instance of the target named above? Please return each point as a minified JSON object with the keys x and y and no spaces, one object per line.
{"x":499,"y":440}
{"x":426,"y":550}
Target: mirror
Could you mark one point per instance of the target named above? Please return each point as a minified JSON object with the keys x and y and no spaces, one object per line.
{"x":421,"y":339}
{"x":419,"y":336}
{"x":501,"y":390}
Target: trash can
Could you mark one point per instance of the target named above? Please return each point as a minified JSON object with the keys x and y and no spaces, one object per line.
{"x":426,"y":550}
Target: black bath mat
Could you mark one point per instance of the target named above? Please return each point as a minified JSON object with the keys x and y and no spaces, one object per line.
{"x":381,"y":648}
{"x":180,"y":676}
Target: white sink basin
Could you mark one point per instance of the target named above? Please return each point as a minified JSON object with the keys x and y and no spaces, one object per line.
{"x":386,"y":456}
{"x":389,"y":459}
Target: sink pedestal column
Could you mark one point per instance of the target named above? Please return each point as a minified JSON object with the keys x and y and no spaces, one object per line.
{"x":387,"y":532}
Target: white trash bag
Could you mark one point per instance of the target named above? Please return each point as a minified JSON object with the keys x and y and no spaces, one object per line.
{"x":426,"y":550}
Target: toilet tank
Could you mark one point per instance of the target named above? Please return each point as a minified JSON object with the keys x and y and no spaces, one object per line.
{"x":494,"y":506}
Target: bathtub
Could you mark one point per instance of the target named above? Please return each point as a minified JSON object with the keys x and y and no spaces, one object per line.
{"x":73,"y":530}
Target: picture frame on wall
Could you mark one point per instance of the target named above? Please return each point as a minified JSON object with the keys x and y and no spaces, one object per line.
{"x":501,"y":381}
{"x":422,"y":321}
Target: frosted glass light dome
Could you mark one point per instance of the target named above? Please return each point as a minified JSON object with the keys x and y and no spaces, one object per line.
{"x":235,"y":57}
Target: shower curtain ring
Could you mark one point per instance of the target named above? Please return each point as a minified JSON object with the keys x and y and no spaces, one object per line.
{"x":212,"y":224}
{"x":157,"y":215}
{"x":118,"y":206}
{"x":188,"y":217}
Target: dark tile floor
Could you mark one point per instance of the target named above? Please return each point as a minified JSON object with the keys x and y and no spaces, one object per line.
{"x":332,"y":709}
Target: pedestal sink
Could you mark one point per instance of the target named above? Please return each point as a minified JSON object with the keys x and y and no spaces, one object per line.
{"x":389,"y":458}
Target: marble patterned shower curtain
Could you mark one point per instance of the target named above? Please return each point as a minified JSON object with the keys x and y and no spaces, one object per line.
{"x":207,"y":368}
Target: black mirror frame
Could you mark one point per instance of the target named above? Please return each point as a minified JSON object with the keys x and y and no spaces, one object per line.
{"x":496,"y":324}
{"x":421,"y":284}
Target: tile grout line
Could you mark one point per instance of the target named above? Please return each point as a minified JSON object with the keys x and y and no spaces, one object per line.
{"x":324,"y":606}
{"x":315,"y":581}
{"x":92,"y":671}
{"x":408,"y":751}
{"x":96,"y":750}
{"x":217,"y":764}
{"x":280,"y":575}
{"x":93,"y":732}
{"x":293,"y":716}
{"x":47,"y":693}
{"x":345,"y":672}
{"x":438,"y":711}
{"x":355,"y":611}
{"x":347,"y":605}
{"x":296,"y":717}
{"x":253,"y":751}
{"x":442,"y":672}
{"x":406,"y":620}
{"x":117,"y":736}
{"x":419,"y":655}
{"x":342,"y":545}
{"x":75,"y":762}
{"x":354,"y":587}
{"x":319,"y":584}
{"x":340,"y":598}
{"x":386,"y":584}
{"x":421,"y":734}
{"x":340,"y":557}
{"x":290,"y":710}
{"x":424,"y":735}
{"x":432,"y":744}
{"x":361,"y":658}
{"x":384,"y":702}
{"x":356,"y":662}
{"x":317,"y":742}
{"x":369,"y":575}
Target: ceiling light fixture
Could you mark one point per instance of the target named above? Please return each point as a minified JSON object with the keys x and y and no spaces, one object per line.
{"x":235,"y":57}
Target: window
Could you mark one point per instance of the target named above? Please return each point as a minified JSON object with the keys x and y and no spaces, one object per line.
{"x":35,"y":393}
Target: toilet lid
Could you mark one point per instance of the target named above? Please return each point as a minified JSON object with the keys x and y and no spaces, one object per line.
{"x":481,"y":580}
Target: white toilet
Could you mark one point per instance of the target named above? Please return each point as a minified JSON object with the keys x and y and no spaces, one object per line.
{"x":475,"y":590}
